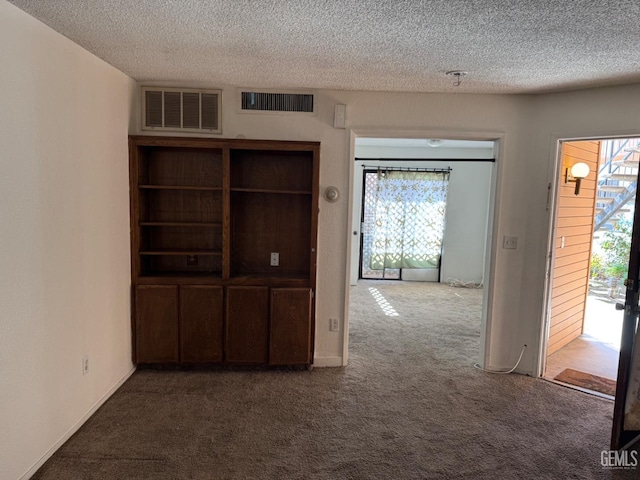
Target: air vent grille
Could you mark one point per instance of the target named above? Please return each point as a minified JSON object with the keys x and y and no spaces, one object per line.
{"x":178,"y":109}
{"x":172,"y":114}
{"x":191,"y":110}
{"x":154,"y":109}
{"x":277,"y":102}
{"x":210,"y":110}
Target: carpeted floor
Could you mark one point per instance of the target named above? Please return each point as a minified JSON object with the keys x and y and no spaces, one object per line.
{"x":410,"y":405}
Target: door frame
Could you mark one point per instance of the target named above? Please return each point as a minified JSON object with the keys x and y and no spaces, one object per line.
{"x":491,"y":245}
{"x":555,"y":166}
{"x":553,"y":192}
{"x":552,"y":207}
{"x":554,"y":184}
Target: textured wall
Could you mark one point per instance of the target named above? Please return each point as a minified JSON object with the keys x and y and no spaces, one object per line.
{"x":389,"y":114}
{"x":595,"y":113}
{"x":64,"y":287}
{"x":64,"y":211}
{"x":527,"y":127}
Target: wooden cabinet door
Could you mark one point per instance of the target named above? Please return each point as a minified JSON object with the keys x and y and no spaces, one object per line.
{"x":201,"y":316}
{"x":156,"y":324}
{"x":247,"y":324}
{"x":290,"y":338}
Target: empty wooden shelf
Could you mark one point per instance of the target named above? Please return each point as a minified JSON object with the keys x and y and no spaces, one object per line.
{"x":206,"y":217}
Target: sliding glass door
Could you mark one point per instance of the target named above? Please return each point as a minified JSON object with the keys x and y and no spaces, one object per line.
{"x":402,"y":221}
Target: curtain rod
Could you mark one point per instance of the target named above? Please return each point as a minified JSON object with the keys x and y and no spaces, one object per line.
{"x":409,"y":169}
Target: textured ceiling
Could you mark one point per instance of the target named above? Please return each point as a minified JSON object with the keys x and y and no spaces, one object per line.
{"x":507,"y":46}
{"x":421,"y":142}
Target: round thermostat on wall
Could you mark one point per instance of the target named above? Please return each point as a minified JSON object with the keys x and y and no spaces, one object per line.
{"x":332,"y":194}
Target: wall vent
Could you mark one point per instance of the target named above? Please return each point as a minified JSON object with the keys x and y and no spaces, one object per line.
{"x":180,"y":109}
{"x":268,"y":101}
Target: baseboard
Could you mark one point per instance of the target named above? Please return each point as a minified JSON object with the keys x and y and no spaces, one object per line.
{"x":77,"y":426}
{"x":322,"y":362}
{"x":502,"y":370}
{"x":421,"y":275}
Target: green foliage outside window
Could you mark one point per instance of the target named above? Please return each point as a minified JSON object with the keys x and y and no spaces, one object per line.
{"x":611,"y":264}
{"x":616,"y":246}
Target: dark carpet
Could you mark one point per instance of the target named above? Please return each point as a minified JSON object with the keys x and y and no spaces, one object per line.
{"x":410,"y":405}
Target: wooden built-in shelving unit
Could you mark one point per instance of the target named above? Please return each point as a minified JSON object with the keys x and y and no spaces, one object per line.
{"x":206,"y":214}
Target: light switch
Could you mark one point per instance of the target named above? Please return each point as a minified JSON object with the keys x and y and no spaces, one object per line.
{"x":509,"y":242}
{"x":340,"y":116}
{"x":275,"y":259}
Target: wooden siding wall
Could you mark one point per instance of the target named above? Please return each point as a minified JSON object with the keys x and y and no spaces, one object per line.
{"x":571,"y":263}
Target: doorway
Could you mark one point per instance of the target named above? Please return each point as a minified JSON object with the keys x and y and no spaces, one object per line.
{"x":591,"y":243}
{"x":466,"y":241}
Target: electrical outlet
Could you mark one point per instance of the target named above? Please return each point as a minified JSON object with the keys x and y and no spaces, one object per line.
{"x":275,"y":259}
{"x":334,"y":324}
{"x":85,"y":364}
{"x":509,"y":242}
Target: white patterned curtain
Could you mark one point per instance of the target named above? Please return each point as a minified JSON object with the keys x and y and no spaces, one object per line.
{"x":409,"y":219}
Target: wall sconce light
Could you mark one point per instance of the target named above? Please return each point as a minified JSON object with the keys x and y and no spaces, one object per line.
{"x":332,"y":194}
{"x":575,"y":174}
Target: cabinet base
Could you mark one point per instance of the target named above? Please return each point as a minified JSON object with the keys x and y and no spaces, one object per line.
{"x":216,"y":367}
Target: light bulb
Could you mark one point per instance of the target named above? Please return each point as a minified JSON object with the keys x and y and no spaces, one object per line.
{"x":580,"y":170}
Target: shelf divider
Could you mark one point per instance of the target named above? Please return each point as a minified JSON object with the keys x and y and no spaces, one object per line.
{"x":271,"y":190}
{"x":179,"y":187}
{"x":181,"y":224}
{"x":180,"y":252}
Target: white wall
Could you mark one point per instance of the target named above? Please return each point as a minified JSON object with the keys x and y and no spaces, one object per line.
{"x":64,"y":204}
{"x":64,"y":237}
{"x":466,"y":215}
{"x":443,"y":152}
{"x":523,"y":126}
{"x":381,"y":114}
{"x":528,"y":127}
{"x":65,"y":288}
{"x":65,"y":284}
{"x":594,"y":113}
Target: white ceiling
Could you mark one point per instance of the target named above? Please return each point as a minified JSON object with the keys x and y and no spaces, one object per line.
{"x":507,"y":46}
{"x":421,"y":149}
{"x":421,"y":142}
